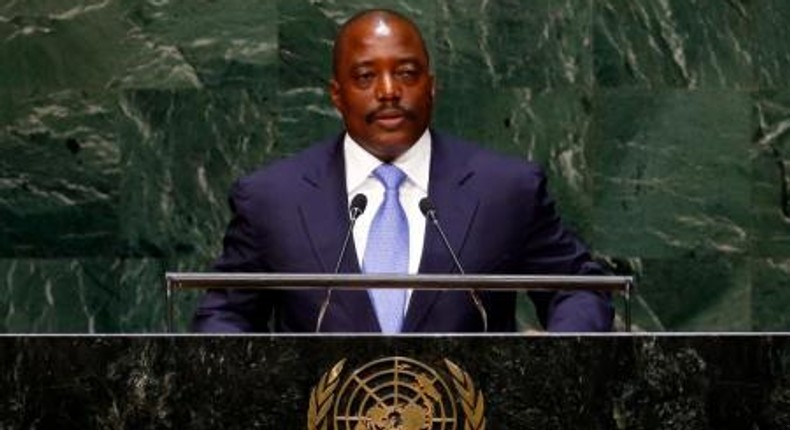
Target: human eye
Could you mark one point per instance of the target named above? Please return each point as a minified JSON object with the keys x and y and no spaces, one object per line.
{"x":363,"y":78}
{"x":408,"y":73}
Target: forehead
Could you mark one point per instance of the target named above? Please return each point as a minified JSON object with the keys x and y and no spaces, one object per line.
{"x":378,"y":37}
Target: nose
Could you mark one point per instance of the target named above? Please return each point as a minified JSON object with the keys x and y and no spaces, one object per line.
{"x":387,"y":88}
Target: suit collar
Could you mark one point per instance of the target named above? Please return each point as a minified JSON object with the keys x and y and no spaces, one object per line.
{"x":322,"y":205}
{"x":324,"y":216}
{"x":450,"y":191}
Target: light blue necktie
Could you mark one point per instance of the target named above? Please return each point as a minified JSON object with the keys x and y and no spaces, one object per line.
{"x":387,"y":249}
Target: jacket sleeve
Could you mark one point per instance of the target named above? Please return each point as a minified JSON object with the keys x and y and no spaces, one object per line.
{"x":549,"y":248}
{"x":232,"y":310}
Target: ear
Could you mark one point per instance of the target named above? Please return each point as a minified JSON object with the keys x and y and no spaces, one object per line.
{"x":334,"y":94}
{"x":433,"y":87}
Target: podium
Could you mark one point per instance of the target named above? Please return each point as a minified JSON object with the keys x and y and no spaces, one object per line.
{"x":622,"y":285}
{"x":529,"y":381}
{"x":504,"y":381}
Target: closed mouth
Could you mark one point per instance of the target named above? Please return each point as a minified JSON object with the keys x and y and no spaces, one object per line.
{"x":389,"y":118}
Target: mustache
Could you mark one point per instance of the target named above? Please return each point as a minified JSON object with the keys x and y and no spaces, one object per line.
{"x":390,"y":110}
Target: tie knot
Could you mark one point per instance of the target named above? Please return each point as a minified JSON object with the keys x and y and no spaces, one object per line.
{"x":390,"y":176}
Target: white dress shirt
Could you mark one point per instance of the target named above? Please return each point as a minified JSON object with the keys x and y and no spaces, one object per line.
{"x":415,"y":163}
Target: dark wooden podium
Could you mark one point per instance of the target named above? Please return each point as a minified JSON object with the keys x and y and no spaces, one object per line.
{"x":620,"y":381}
{"x":295,"y":381}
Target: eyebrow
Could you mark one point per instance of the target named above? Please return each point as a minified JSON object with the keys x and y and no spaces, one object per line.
{"x":405,"y":60}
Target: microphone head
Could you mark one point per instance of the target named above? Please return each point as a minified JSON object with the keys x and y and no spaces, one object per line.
{"x":426,"y":206}
{"x":358,"y":204}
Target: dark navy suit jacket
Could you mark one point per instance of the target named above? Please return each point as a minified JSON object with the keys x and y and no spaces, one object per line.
{"x":291,"y":217}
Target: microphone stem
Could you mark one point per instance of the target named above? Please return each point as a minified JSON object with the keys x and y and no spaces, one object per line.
{"x":435,"y":222}
{"x":475,"y":298}
{"x":353,"y":219}
{"x":354,"y":214}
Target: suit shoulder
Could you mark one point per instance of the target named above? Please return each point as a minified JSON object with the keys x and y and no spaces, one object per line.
{"x":492,"y":163}
{"x":282,"y":173}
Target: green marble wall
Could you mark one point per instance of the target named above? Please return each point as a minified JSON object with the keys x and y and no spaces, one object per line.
{"x":663,"y":126}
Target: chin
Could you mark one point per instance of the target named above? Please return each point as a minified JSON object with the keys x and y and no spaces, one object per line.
{"x":394,"y":147}
{"x":387,"y":152}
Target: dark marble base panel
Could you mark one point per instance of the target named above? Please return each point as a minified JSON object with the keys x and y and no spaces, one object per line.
{"x":529,"y":382}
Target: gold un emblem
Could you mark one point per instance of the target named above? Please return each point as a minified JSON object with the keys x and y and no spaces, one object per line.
{"x":395,"y":393}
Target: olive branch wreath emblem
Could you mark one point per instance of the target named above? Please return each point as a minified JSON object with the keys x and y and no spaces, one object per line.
{"x":323,"y":395}
{"x":471,"y":400}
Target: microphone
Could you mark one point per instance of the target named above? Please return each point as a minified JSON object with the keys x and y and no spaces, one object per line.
{"x":355,"y":209}
{"x":427,"y":209}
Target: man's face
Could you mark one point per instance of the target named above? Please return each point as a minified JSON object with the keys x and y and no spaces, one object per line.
{"x":382,"y":85}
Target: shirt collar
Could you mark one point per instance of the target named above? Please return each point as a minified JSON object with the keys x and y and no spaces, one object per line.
{"x":415,"y":162}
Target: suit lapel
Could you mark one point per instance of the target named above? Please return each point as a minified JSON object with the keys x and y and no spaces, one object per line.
{"x":456,"y":206}
{"x":324,"y":216}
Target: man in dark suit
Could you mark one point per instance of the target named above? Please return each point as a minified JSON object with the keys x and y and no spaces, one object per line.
{"x":292,"y":215}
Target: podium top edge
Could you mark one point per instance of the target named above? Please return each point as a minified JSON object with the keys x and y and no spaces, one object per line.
{"x":419,"y":281}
